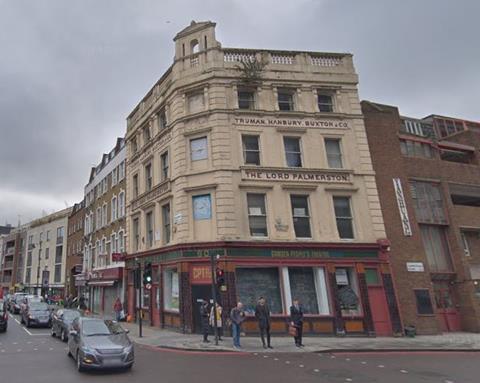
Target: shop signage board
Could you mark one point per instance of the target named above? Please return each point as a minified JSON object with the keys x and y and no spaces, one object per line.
{"x":295,"y":175}
{"x":298,"y":123}
{"x":201,"y":275}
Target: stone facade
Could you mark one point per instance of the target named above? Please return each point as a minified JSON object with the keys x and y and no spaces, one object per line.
{"x":248,"y":155}
{"x":45,"y":254}
{"x":12,"y":244}
{"x":434,"y":245}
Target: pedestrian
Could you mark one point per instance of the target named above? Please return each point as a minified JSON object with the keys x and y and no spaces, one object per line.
{"x":118,"y":308}
{"x":237,"y":316}
{"x":296,"y":320}
{"x":81,"y":303}
{"x":204,"y":315}
{"x":219,"y":325}
{"x":262,"y":313}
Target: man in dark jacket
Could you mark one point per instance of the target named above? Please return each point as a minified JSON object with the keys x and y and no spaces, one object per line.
{"x":204,"y":315}
{"x":296,"y":319}
{"x":262,"y":313}
{"x":237,"y":316}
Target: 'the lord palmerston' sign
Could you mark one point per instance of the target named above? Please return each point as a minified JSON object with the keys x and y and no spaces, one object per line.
{"x":290,"y":122}
{"x":295,"y":175}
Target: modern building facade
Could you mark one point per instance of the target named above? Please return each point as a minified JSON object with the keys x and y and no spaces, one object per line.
{"x":45,"y":254}
{"x":101,"y":280}
{"x":75,"y":245}
{"x":259,"y":158}
{"x":428,"y":175}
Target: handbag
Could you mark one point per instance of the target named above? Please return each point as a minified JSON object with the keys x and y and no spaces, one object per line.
{"x":292,"y":330}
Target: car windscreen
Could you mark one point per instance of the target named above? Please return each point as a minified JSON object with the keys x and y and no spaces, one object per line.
{"x":70,"y":315}
{"x":38,"y":306}
{"x":100,"y":327}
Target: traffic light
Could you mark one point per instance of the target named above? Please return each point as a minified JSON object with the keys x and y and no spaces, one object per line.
{"x":147,"y":276}
{"x":220,"y":277}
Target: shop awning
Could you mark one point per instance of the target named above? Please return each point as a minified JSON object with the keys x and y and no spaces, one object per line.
{"x":101,"y":283}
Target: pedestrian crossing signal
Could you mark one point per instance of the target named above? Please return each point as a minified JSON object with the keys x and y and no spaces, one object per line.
{"x":147,"y":275}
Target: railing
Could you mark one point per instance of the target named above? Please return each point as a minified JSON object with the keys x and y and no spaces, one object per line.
{"x":325,"y":61}
{"x":231,"y":56}
{"x":283,"y":59}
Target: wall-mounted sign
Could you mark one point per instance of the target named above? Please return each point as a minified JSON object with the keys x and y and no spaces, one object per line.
{"x":202,"y":207}
{"x":415,"y":267}
{"x":153,"y":194}
{"x":178,"y":218}
{"x":295,"y":175}
{"x":402,"y":207}
{"x":201,"y":274}
{"x":291,"y":122}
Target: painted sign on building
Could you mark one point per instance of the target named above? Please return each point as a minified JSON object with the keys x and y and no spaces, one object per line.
{"x":415,"y":267}
{"x":265,"y":174}
{"x":402,"y":207}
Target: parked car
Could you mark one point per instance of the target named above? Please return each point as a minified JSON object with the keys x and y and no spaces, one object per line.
{"x":99,"y":344}
{"x":36,"y":313}
{"x":62,"y":322}
{"x":14,"y":303}
{"x":27,"y":299}
{"x":3,"y":316}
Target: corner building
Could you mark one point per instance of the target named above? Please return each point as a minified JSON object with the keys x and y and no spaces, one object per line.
{"x":428,"y":175}
{"x":259,"y":157}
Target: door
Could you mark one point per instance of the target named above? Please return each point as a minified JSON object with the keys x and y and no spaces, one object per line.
{"x":199,"y":292}
{"x":378,"y":303}
{"x":447,"y":312}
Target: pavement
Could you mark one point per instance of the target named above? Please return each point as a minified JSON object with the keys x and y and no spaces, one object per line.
{"x":168,"y":339}
{"x":32,"y":355}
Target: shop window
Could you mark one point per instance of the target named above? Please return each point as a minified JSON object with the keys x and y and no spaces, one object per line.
{"x":171,"y":290}
{"x":301,"y":216}
{"x":428,"y":203}
{"x":251,"y":284}
{"x":334,"y":153}
{"x":347,"y":291}
{"x":436,"y":247}
{"x":293,"y":152}
{"x":372,"y":278}
{"x":302,"y":287}
{"x":343,"y":215}
{"x":424,"y":302}
{"x":325,"y":103}
{"x":257,"y":215}
{"x":198,"y":149}
{"x":286,"y":100}
{"x":251,"y":150}
{"x":246,"y":99}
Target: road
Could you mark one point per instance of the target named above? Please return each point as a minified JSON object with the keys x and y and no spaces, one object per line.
{"x":34,"y":356}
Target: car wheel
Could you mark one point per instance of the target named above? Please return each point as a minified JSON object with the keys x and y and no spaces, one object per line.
{"x":79,"y":363}
{"x":64,"y":336}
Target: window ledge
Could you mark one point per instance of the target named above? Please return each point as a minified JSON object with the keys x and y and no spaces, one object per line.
{"x":200,"y":187}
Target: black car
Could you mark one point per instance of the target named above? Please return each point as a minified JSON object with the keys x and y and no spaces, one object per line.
{"x":3,"y":316}
{"x":62,"y":322}
{"x":36,"y":313}
{"x":15,"y":302}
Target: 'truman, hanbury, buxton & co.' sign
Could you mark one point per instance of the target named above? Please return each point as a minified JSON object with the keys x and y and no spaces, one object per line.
{"x":291,"y":122}
{"x":291,"y":175}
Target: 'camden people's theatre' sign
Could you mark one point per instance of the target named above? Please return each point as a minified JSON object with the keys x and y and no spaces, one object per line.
{"x":291,"y":123}
{"x":295,"y":175}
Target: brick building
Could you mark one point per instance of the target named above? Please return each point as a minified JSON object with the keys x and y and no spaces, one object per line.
{"x":258,"y":157}
{"x":101,"y":280}
{"x":12,"y":241}
{"x":428,"y":176}
{"x":75,"y":244}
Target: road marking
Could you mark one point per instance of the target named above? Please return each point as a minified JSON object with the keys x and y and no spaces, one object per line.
{"x":50,"y":349}
{"x":348,"y":379}
{"x":301,"y":366}
{"x":255,"y":353}
{"x":35,"y":349}
{"x":404,"y":371}
{"x":26,"y":330}
{"x":348,"y":359}
{"x":364,"y":362}
{"x":287,"y":362}
{"x":3,"y":350}
{"x":275,"y":358}
{"x":19,"y":350}
{"x":265,"y":356}
{"x":380,"y":366}
{"x":316,"y":370}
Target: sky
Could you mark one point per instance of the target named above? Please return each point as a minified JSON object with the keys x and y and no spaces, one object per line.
{"x":72,"y":71}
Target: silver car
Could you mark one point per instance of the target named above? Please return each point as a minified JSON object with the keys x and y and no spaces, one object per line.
{"x":99,"y":344}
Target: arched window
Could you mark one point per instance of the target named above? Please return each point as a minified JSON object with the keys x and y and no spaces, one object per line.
{"x":194,"y":46}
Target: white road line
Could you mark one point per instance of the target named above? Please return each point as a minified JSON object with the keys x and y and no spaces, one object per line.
{"x":26,"y":330}
{"x":275,"y":358}
{"x":316,"y":370}
{"x":404,"y":371}
{"x":348,"y":379}
{"x":301,"y":366}
{"x":380,"y":366}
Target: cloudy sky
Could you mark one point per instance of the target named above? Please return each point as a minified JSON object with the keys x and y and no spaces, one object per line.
{"x":71,"y":71}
